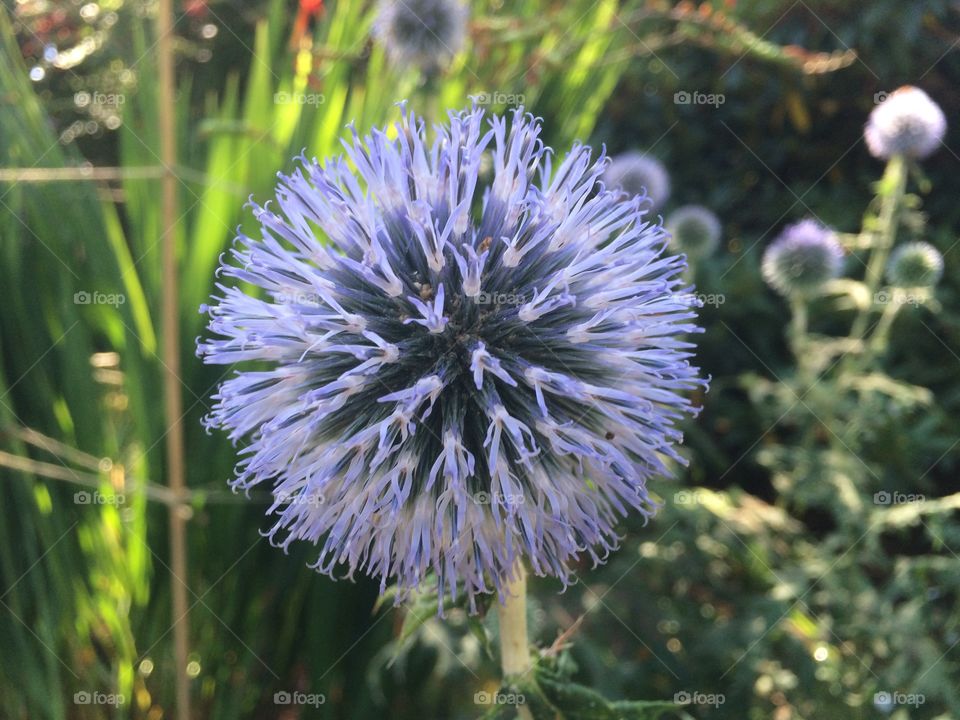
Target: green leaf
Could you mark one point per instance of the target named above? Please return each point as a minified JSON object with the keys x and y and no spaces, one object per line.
{"x":550,"y":695}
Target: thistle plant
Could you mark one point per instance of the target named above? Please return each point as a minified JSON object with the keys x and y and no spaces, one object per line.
{"x":915,"y":265}
{"x":804,"y":257}
{"x":840,"y":384}
{"x":421,"y":33}
{"x":906,"y":123}
{"x":454,"y":383}
{"x":694,"y":230}
{"x":838,"y":409}
{"x":797,"y":265}
{"x":639,"y":174}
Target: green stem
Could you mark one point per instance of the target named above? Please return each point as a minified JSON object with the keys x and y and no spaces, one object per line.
{"x":894,"y":185}
{"x":878,"y":341}
{"x":797,"y":336}
{"x":798,"y":326}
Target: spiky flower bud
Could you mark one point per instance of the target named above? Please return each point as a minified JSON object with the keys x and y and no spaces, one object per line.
{"x":802,"y":258}
{"x":421,"y":33}
{"x":694,"y":230}
{"x":638,"y":174}
{"x":914,"y":265}
{"x":906,"y":123}
{"x":450,"y":377}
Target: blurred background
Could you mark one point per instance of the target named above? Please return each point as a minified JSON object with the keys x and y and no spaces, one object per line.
{"x":804,"y":565}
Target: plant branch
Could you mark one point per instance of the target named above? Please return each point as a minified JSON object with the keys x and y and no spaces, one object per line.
{"x":173,"y":402}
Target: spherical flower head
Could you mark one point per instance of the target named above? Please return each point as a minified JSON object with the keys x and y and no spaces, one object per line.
{"x":638,"y":174}
{"x":452,"y":376}
{"x":907,"y":123}
{"x":914,"y":265}
{"x":695,"y":230}
{"x":421,"y":33}
{"x":802,"y":258}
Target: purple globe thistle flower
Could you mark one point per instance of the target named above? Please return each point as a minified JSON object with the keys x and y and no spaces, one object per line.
{"x":450,"y":378}
{"x":914,"y":265}
{"x":638,"y":174}
{"x":421,"y":33}
{"x":695,"y":230}
{"x":907,"y":123}
{"x":802,"y":258}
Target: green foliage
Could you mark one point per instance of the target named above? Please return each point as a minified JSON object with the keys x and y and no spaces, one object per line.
{"x":551,"y":694}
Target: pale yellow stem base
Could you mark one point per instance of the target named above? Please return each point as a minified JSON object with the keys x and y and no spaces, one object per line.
{"x":514,"y":646}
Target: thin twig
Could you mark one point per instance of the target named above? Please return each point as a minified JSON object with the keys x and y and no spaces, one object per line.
{"x":173,"y":402}
{"x":562,"y":641}
{"x":53,"y":446}
{"x":17,"y":175}
{"x":73,"y":174}
{"x":132,"y":486}
{"x":48,"y":470}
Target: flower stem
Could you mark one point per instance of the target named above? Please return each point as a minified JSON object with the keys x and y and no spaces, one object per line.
{"x":798,"y":325}
{"x":894,"y":185}
{"x":881,"y":334}
{"x":514,"y":646}
{"x":170,"y":318}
